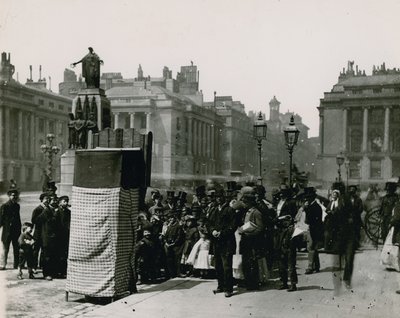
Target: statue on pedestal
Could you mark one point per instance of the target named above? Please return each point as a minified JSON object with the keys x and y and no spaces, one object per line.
{"x":90,"y":69}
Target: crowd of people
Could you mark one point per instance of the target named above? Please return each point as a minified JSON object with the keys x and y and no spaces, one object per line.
{"x":231,"y":233}
{"x":241,"y":236}
{"x":43,"y":242}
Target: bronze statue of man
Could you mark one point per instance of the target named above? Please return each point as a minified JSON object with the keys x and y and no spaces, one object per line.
{"x":90,"y":69}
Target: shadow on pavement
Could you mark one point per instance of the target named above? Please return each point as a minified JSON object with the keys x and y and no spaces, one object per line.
{"x":175,"y":284}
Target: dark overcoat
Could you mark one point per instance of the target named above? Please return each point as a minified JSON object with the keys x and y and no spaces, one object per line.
{"x":224,"y":221}
{"x":10,"y":221}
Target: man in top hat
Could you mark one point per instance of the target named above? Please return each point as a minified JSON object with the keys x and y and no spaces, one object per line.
{"x":10,"y":221}
{"x":181,"y":203}
{"x":252,"y":241}
{"x":174,"y":239}
{"x":315,"y":233}
{"x":388,"y":203}
{"x":170,"y":203}
{"x":351,"y":231}
{"x":268,"y":214}
{"x":199,"y":202}
{"x":222,"y":227}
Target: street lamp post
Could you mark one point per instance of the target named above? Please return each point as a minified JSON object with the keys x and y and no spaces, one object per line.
{"x":260,"y":134}
{"x":291,"y":138}
{"x":51,"y":151}
{"x":339,"y":161}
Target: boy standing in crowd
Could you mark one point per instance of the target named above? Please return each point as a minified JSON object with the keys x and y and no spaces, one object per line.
{"x":26,"y":242}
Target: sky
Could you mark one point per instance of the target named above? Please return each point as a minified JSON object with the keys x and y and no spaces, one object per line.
{"x":249,"y":49}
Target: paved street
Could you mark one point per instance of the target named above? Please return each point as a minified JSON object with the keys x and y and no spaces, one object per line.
{"x":372,"y":296}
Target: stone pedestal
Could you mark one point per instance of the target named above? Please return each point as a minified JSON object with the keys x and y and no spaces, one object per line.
{"x":67,"y":173}
{"x":103,"y":105}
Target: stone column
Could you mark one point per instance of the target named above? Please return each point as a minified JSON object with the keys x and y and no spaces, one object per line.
{"x":131,"y":120}
{"x":209,"y":142}
{"x":344,"y":146}
{"x":190,"y":135}
{"x":198,"y":138}
{"x":116,"y":120}
{"x":1,"y":134}
{"x":204,"y":140}
{"x":386,"y":130}
{"x":2,"y":176}
{"x":20,"y":135}
{"x":321,"y":129}
{"x":7,"y":132}
{"x":365,"y":131}
{"x":32,"y":135}
{"x":212,"y":141}
{"x":148,"y":122}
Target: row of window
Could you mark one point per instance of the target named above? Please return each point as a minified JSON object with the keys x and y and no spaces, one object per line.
{"x":375,"y":169}
{"x":378,"y":90}
{"x":375,"y":139}
{"x":51,"y":105}
{"x":375,"y":116}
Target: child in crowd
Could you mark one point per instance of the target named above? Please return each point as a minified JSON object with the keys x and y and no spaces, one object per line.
{"x":199,"y":257}
{"x":26,"y":242}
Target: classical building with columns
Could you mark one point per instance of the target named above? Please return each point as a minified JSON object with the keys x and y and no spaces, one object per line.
{"x":193,"y":139}
{"x":27,"y":114}
{"x":360,"y":117}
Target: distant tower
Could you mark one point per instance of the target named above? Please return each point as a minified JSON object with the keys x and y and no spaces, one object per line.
{"x":6,"y":68}
{"x":274,"y":109}
{"x":140,"y":73}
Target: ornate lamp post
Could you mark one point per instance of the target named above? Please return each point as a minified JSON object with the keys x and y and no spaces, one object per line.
{"x":50,"y":150}
{"x":260,"y":134}
{"x":339,"y":161}
{"x":291,"y":138}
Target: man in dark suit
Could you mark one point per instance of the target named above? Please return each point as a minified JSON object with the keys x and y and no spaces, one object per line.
{"x":222,"y":227}
{"x":315,"y":234}
{"x":174,"y":239}
{"x":351,"y":231}
{"x":49,"y":224}
{"x":37,"y":234}
{"x":10,"y":221}
{"x":64,"y":218}
{"x":286,"y":212}
{"x":253,"y":239}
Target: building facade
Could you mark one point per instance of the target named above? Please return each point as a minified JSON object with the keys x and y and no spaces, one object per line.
{"x":27,"y":114}
{"x":360,"y":117}
{"x":193,"y":139}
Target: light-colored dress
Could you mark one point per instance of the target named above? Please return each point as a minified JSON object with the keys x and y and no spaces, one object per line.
{"x":199,"y":256}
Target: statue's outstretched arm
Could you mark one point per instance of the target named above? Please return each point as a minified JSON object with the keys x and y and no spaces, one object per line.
{"x":73,"y":64}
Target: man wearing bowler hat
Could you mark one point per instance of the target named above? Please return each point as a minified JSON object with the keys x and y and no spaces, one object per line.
{"x":10,"y":221}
